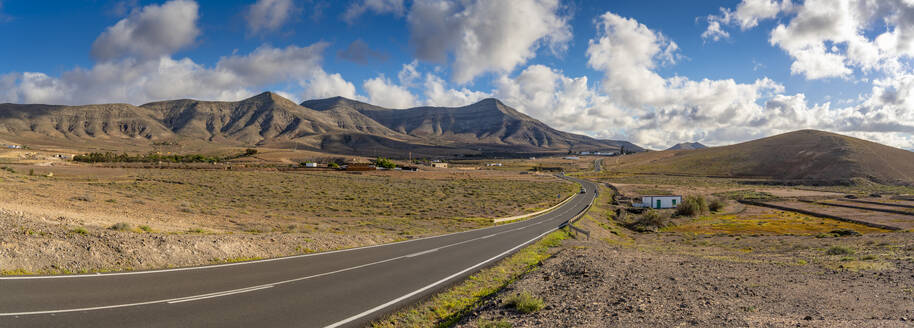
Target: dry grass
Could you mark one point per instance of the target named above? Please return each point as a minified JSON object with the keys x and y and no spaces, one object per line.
{"x":271,"y":201}
{"x":767,"y":222}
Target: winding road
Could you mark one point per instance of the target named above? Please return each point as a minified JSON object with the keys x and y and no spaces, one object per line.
{"x":346,"y":288}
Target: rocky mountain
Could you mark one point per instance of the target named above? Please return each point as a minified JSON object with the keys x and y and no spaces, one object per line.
{"x":489,"y":125}
{"x":335,"y":125}
{"x":687,"y":146}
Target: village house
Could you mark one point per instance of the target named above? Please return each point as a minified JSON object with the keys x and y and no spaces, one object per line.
{"x":659,"y":202}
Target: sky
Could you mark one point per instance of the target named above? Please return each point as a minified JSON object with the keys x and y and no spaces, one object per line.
{"x":655,"y":73}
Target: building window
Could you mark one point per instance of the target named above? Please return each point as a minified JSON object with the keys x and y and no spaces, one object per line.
{"x":674,"y":203}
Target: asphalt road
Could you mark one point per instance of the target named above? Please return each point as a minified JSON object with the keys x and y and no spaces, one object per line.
{"x":598,"y":164}
{"x":347,"y":288}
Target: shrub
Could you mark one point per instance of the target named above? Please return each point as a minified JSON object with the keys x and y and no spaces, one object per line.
{"x":716,"y":204}
{"x":692,"y":206}
{"x":838,"y":250}
{"x":145,"y":228}
{"x":334,"y":166}
{"x":651,"y":220}
{"x":524,"y":302}
{"x":80,"y":230}
{"x":845,"y":232}
{"x":385,"y":163}
{"x":120,"y":226}
{"x":31,"y":171}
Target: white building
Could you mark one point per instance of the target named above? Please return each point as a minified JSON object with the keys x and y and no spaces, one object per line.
{"x":659,"y":201}
{"x":311,"y":164}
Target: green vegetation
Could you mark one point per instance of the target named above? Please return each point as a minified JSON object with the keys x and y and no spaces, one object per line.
{"x":524,"y":302}
{"x":109,"y":157}
{"x":80,"y":230}
{"x":446,"y":308}
{"x":145,"y":228}
{"x":385,"y":163}
{"x":333,"y":166}
{"x":8,"y":169}
{"x":650,"y":221}
{"x":716,"y":204}
{"x":121,"y":226}
{"x":693,"y":205}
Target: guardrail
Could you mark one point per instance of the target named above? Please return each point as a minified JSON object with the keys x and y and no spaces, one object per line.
{"x":570,"y":223}
{"x":524,"y":216}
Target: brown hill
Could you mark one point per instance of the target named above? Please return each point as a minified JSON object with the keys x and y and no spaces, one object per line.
{"x":805,"y":155}
{"x":488,"y":124}
{"x":338,"y":125}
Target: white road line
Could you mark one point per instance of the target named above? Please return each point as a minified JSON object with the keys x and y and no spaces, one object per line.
{"x":432,"y":285}
{"x":251,"y":288}
{"x":265,"y":260}
{"x":422,"y":252}
{"x":221,"y":294}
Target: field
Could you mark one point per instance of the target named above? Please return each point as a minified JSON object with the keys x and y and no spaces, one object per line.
{"x":86,"y":218}
{"x":744,"y":266}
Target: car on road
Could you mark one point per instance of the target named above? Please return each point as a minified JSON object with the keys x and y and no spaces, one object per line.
{"x":583,"y":190}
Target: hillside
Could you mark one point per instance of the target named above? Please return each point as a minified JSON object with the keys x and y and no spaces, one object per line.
{"x":687,"y":146}
{"x":805,"y":155}
{"x":334,"y":125}
{"x":488,"y":124}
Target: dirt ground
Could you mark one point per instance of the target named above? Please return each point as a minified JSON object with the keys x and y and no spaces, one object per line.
{"x":673,"y":279}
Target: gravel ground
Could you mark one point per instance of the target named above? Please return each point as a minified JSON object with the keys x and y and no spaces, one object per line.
{"x":664,"y":280}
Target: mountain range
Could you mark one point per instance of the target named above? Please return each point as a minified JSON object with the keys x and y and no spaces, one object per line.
{"x":687,"y":146}
{"x":334,"y":125}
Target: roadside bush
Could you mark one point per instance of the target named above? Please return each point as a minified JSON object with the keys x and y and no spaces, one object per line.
{"x":145,"y":228}
{"x":80,"y":230}
{"x":120,"y":226}
{"x":845,"y":232}
{"x":524,"y":302}
{"x":716,"y":204}
{"x":692,"y":206}
{"x":838,"y":250}
{"x":334,"y":166}
{"x":651,"y":220}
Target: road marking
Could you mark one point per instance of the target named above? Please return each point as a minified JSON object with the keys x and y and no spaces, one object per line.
{"x":422,"y":252}
{"x":91,"y":275}
{"x":259,"y":287}
{"x":238,"y":291}
{"x":432,"y":285}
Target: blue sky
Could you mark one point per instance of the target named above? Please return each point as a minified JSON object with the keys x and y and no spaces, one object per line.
{"x":653,"y":72}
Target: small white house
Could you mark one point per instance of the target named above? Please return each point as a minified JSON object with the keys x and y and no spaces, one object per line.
{"x":310,"y":164}
{"x":659,"y":201}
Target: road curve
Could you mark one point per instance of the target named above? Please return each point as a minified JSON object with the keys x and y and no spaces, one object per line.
{"x":346,"y":288}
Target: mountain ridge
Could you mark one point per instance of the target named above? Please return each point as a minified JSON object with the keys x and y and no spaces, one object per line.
{"x":335,"y":124}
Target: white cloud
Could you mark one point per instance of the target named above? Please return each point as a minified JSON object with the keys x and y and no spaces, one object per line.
{"x":357,"y":9}
{"x":747,"y":15}
{"x":149,"y":33}
{"x":322,"y":85}
{"x":382,"y":92}
{"x":437,"y":93}
{"x":139,"y":81}
{"x":270,"y":15}
{"x":486,"y":36}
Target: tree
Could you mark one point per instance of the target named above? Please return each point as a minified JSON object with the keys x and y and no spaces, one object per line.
{"x":385,"y":163}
